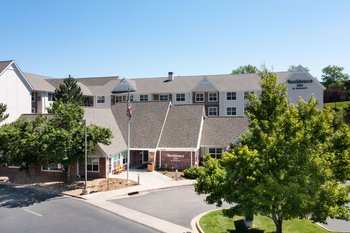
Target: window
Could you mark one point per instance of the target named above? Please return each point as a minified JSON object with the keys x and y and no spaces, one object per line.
{"x":100,"y":99}
{"x":212,"y":111}
{"x":163,"y":97}
{"x":33,"y":110}
{"x":180,"y":97}
{"x":53,"y":167}
{"x":93,"y":164}
{"x":143,"y":97}
{"x":51,"y":96}
{"x":34,"y":96}
{"x":120,"y":98}
{"x":212,"y":97}
{"x":246,"y":94}
{"x":199,"y":97}
{"x":231,"y":111}
{"x":215,"y":152}
{"x":231,"y":96}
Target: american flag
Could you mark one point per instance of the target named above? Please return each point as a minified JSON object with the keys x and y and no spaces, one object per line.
{"x":129,"y":110}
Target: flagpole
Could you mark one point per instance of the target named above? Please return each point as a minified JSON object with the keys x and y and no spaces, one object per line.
{"x":129,"y":122}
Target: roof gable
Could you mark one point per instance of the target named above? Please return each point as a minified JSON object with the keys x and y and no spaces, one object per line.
{"x":4,"y":65}
{"x":204,"y":85}
{"x":124,"y":86}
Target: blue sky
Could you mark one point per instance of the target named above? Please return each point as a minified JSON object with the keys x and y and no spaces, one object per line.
{"x":149,"y":38}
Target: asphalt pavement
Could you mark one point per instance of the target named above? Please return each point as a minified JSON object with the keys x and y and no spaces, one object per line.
{"x":36,"y":211}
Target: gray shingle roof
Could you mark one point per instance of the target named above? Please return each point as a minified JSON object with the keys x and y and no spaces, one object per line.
{"x":105,"y":118}
{"x":39,"y":83}
{"x":222,"y":131}
{"x":146,"y":122}
{"x":4,"y":65}
{"x":182,"y":127}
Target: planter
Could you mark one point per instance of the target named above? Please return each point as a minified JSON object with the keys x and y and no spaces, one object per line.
{"x":150,"y":167}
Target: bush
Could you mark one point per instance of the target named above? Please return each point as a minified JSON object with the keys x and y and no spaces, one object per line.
{"x":192,"y":172}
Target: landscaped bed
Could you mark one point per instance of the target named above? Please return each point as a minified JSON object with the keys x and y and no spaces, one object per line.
{"x":215,"y":222}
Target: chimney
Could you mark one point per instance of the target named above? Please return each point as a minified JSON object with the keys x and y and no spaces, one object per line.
{"x":170,"y":76}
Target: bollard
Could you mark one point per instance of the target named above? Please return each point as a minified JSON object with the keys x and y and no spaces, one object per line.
{"x":138,"y":178}
{"x":177,"y":174}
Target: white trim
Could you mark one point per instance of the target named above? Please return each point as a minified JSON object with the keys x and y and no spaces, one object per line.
{"x":184,"y":95}
{"x":161,"y":131}
{"x":217,"y":111}
{"x":231,"y":107}
{"x":59,"y":166}
{"x":98,"y":158}
{"x":195,"y":97}
{"x":213,"y":101}
{"x":177,"y":149}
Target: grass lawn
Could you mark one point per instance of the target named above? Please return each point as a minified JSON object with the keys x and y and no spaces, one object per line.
{"x":338,"y":107}
{"x":215,"y":222}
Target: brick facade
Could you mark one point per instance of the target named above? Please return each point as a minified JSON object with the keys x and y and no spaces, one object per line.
{"x":175,"y":159}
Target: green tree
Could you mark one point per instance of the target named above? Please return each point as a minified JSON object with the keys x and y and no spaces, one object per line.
{"x":69,"y":92}
{"x":247,"y":69}
{"x":333,"y":75}
{"x":3,"y":115}
{"x":292,"y":162}
{"x":292,"y":68}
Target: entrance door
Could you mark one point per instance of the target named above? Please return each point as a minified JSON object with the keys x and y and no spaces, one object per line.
{"x":144,"y":156}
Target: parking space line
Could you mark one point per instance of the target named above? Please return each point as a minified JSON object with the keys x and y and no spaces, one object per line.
{"x":33,"y":213}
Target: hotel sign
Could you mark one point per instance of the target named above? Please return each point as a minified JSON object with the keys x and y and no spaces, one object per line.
{"x":175,"y":157}
{"x":300,"y":83}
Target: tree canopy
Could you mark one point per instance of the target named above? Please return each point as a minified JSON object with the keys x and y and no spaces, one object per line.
{"x":333,"y":75}
{"x":3,"y":114}
{"x":292,"y":162}
{"x":69,"y":92}
{"x":57,"y":138}
{"x":247,"y":69}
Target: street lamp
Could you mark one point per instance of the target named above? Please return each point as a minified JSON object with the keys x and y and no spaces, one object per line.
{"x":125,"y":87}
{"x":85,"y":190}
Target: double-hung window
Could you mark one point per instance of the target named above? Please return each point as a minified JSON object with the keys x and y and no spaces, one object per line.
{"x":143,"y":97}
{"x":212,"y":97}
{"x":231,"y":111}
{"x":215,"y":152}
{"x":51,"y":96}
{"x":231,"y":96}
{"x":100,"y":99}
{"x":246,"y":94}
{"x":199,"y":97}
{"x":180,"y":97}
{"x":212,"y":111}
{"x":93,"y":164}
{"x":163,"y":97}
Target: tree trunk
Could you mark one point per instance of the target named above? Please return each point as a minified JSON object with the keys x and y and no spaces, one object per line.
{"x":278,"y":224}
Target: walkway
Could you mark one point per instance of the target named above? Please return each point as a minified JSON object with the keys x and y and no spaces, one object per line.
{"x":148,"y":181}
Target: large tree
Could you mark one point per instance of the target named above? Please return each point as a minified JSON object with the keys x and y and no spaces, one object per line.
{"x":58,"y":138}
{"x":69,"y":92}
{"x":247,"y":69}
{"x":3,"y":114}
{"x":292,"y":162}
{"x":333,"y":75}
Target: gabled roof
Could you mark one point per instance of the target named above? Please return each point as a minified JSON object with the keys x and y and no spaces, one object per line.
{"x":182,"y":127}
{"x":204,"y":85}
{"x":39,"y":83}
{"x":146,"y":122}
{"x":222,"y":131}
{"x":105,"y":118}
{"x":4,"y":65}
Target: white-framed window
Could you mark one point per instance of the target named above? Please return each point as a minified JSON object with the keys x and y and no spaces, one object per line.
{"x":34,"y":95}
{"x":199,"y":97}
{"x":231,"y":96}
{"x":53,"y":167}
{"x":180,"y":97}
{"x":212,"y":111}
{"x":231,"y":111}
{"x":51,"y":96}
{"x":163,"y":97}
{"x":120,"y":98}
{"x":215,"y":152}
{"x":246,"y":94}
{"x":143,"y":97}
{"x":100,"y":99}
{"x":93,"y":164}
{"x":212,"y":97}
{"x":33,"y":110}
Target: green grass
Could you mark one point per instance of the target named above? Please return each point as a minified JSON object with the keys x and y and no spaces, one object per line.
{"x":215,"y":222}
{"x":338,"y":107}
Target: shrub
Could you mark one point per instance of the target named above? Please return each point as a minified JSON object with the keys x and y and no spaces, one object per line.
{"x":192,"y":172}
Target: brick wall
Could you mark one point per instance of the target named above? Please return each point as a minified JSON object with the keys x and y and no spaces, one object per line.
{"x":175,"y":159}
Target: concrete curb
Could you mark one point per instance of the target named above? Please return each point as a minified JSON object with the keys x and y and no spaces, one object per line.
{"x":196,"y":228}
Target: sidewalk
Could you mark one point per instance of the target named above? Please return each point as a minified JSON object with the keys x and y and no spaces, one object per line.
{"x":148,"y":181}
